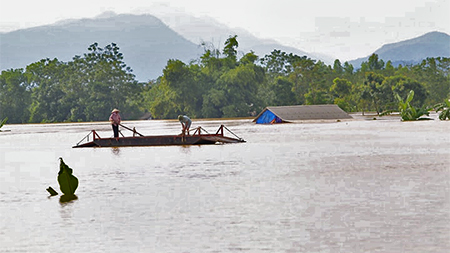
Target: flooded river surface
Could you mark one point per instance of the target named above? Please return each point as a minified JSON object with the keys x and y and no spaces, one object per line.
{"x":351,"y":186}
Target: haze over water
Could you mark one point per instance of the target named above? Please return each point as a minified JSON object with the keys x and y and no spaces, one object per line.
{"x":351,"y":186}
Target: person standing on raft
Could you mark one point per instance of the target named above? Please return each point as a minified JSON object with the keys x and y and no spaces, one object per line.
{"x":185,"y":124}
{"x":115,"y":122}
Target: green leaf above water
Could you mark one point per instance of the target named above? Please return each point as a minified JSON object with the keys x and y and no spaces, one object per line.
{"x":52,"y":191}
{"x":3,"y":122}
{"x":68,"y":183}
{"x":444,"y":107}
{"x":407,"y":111}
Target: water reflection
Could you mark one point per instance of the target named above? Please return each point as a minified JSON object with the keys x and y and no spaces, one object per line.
{"x":67,"y":198}
{"x":116,"y":151}
{"x":67,"y":208}
{"x":185,"y":149}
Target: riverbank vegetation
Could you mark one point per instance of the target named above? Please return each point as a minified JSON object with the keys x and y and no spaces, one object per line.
{"x":407,"y":111}
{"x":443,"y":109}
{"x":220,"y":83}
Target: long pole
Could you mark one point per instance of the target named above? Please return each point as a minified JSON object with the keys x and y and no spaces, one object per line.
{"x":132,"y":130}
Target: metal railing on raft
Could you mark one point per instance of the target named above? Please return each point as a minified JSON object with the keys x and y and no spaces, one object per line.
{"x":94,"y":134}
{"x":221,"y":132}
{"x":198,"y":130}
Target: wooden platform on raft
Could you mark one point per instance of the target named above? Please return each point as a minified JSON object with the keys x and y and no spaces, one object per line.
{"x":198,"y":138}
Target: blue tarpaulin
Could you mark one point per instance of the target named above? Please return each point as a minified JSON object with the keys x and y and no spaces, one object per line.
{"x":268,"y":117}
{"x":291,"y":113}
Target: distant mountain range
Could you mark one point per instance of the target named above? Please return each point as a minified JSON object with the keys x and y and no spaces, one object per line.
{"x":205,"y":29}
{"x":147,"y":43}
{"x":413,"y":51}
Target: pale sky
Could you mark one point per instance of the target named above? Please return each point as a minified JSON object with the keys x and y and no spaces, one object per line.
{"x":346,"y":28}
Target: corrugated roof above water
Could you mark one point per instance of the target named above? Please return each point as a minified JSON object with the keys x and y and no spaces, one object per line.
{"x":306,"y":112}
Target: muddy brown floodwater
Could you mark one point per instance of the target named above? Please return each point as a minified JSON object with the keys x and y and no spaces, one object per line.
{"x":350,"y":186}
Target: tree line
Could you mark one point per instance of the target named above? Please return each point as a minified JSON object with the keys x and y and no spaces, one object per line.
{"x":221,"y":83}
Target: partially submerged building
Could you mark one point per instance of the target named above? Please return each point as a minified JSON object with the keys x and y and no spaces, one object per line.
{"x":281,"y":114}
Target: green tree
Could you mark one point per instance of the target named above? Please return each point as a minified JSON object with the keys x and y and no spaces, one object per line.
{"x":184,"y":81}
{"x":230,"y":50}
{"x":374,"y":63}
{"x":434,"y":74}
{"x":215,"y":87}
{"x":281,"y":63}
{"x":389,"y":69}
{"x":363,"y":97}
{"x":162,"y":101}
{"x":240,"y":88}
{"x":231,"y":44}
{"x":210,"y":62}
{"x":110,"y":83}
{"x":402,"y":85}
{"x":283,"y":94}
{"x":379,"y":93}
{"x":214,"y":101}
{"x":304,"y":73}
{"x":46,"y":78}
{"x":319,"y":85}
{"x":85,"y":89}
{"x":15,"y":96}
{"x":341,"y":90}
{"x":341,"y":87}
{"x":249,"y":58}
{"x":337,"y":67}
{"x":348,"y":69}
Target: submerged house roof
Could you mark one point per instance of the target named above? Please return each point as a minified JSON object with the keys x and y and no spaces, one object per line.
{"x":278,"y":114}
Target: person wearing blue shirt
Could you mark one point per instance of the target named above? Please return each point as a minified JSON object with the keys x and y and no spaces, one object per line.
{"x":185,"y":124}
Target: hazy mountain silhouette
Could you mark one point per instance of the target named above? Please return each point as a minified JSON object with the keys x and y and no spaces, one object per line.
{"x":146,"y":42}
{"x":214,"y":34}
{"x":412,"y":51}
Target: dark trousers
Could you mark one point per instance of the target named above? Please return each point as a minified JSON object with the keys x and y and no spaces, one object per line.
{"x":115,"y":130}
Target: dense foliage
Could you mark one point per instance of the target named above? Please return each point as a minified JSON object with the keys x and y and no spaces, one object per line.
{"x":218,"y":84}
{"x":84,"y":89}
{"x":407,"y":111}
{"x":443,"y":109}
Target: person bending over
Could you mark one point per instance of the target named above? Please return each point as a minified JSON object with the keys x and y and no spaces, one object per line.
{"x":185,"y":124}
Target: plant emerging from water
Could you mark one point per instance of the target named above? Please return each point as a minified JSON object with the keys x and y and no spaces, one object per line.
{"x":444,"y":107}
{"x":407,"y":111}
{"x":68,"y":183}
{"x":3,"y":122}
